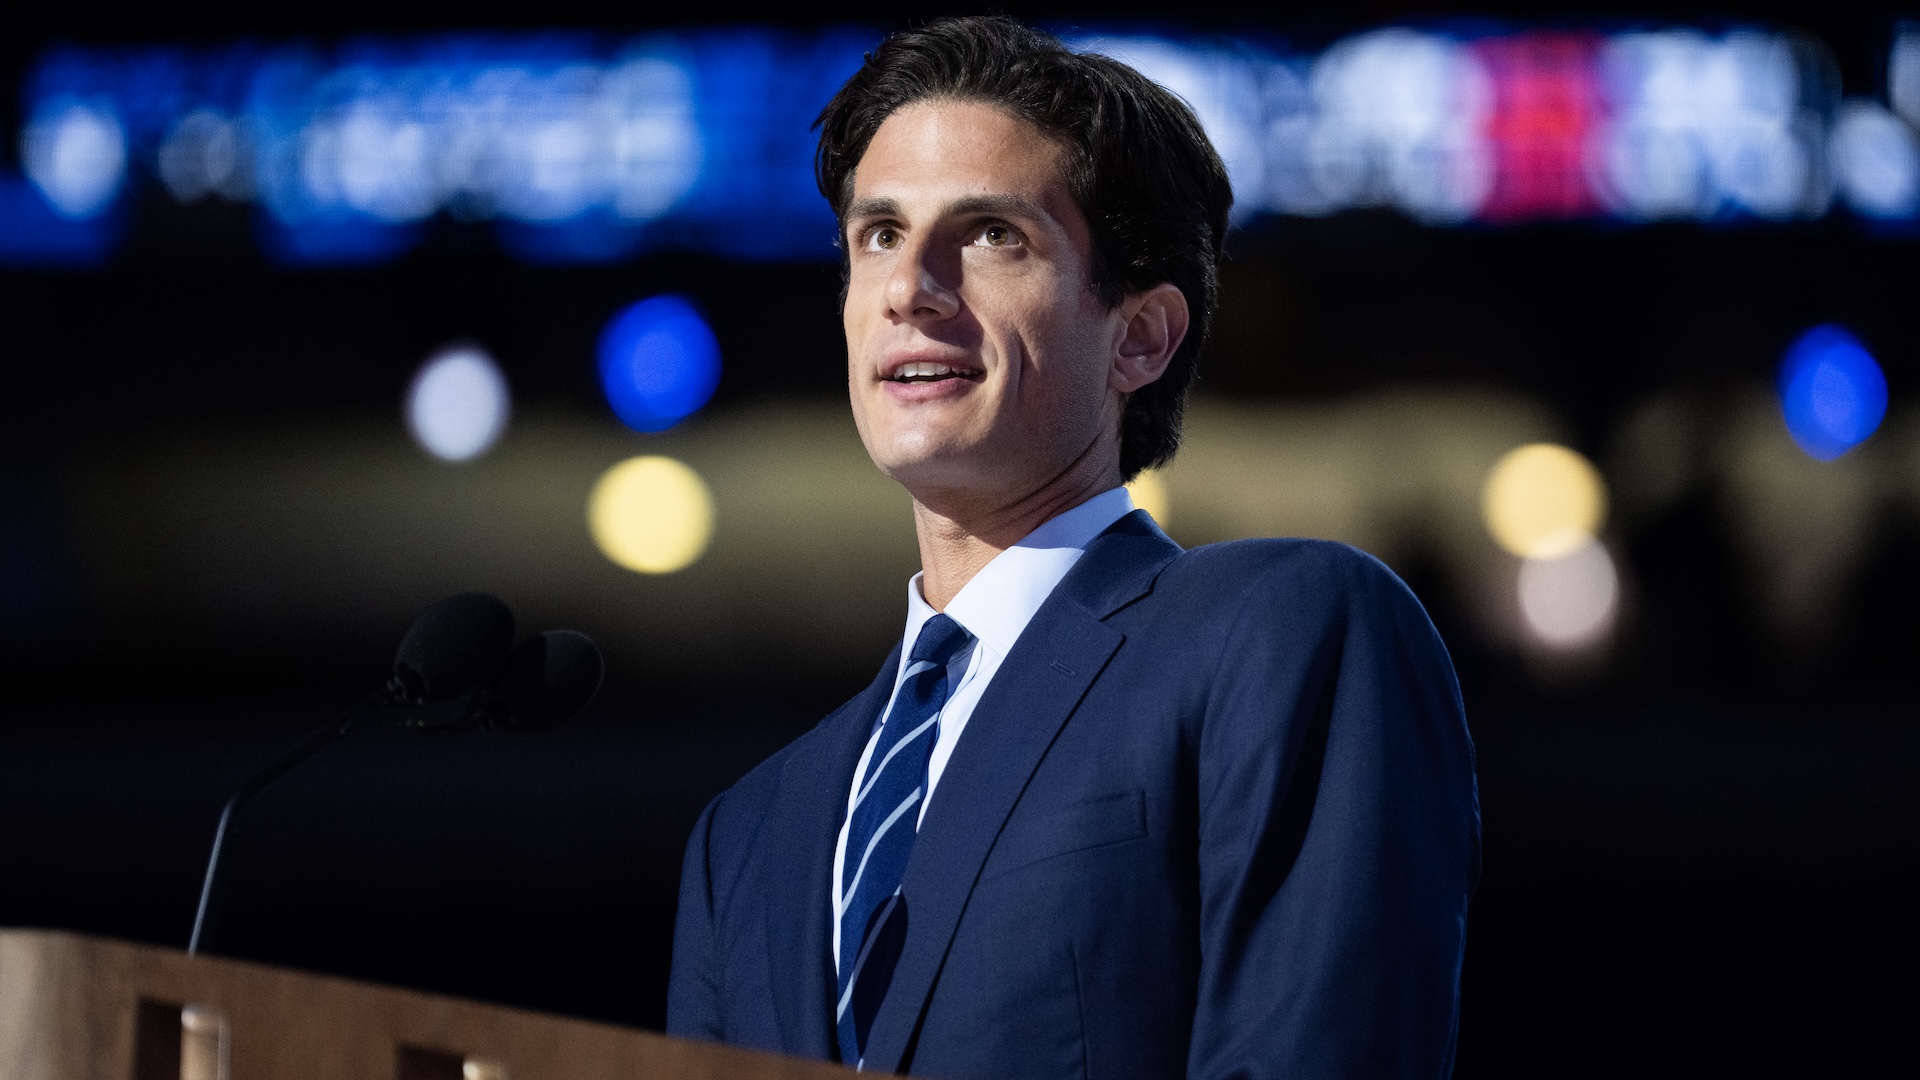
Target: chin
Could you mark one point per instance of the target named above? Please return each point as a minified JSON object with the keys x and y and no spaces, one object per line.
{"x":942,"y":469}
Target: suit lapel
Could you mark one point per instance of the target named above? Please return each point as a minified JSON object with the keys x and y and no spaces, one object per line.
{"x":799,"y":841}
{"x":1037,"y":688}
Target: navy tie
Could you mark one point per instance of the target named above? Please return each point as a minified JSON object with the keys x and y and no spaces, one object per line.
{"x":886,"y":815}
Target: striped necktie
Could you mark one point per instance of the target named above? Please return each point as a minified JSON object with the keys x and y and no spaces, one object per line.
{"x":885,"y":817}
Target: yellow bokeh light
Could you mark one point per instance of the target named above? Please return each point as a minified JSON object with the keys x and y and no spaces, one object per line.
{"x":651,"y":514}
{"x":1149,"y":493}
{"x":1542,"y":501}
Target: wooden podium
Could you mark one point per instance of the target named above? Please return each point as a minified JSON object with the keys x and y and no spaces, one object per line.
{"x":80,"y":1008}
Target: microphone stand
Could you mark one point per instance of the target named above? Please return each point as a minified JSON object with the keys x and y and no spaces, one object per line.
{"x":210,"y":888}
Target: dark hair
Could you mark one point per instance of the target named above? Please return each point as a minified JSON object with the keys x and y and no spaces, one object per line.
{"x":1153,"y":190}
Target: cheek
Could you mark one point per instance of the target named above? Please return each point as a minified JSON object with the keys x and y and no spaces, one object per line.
{"x":1069,"y":363}
{"x":865,"y":284}
{"x":850,"y":323}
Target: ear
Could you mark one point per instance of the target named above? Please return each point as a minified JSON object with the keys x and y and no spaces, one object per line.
{"x":1156,"y":324}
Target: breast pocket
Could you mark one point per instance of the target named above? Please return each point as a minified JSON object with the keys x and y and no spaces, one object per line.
{"x":1053,"y":832}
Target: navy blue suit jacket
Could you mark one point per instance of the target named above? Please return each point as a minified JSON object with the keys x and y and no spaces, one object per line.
{"x":1215,"y":817}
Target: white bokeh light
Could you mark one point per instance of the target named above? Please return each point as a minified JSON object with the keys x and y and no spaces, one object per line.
{"x":1570,"y":602}
{"x":1903,"y":75}
{"x":1876,"y":160}
{"x":1701,"y":123}
{"x":76,"y":154}
{"x":204,"y":154}
{"x":458,"y":405}
{"x":1400,"y":119}
{"x":541,"y":145}
{"x":656,"y":143}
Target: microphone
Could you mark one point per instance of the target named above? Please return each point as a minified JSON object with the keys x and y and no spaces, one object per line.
{"x":450,"y":650}
{"x":547,"y":680}
{"x":452,"y":647}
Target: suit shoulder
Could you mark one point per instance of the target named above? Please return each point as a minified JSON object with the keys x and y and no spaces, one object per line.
{"x":1313,"y":572}
{"x":1292,"y":591}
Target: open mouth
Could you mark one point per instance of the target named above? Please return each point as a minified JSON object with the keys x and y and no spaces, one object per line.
{"x":926,"y":371}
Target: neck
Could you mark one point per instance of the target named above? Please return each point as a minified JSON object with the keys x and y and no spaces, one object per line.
{"x":961,"y":531}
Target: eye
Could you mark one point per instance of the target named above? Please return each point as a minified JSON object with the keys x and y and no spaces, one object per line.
{"x":883,"y":238}
{"x":996,"y":235}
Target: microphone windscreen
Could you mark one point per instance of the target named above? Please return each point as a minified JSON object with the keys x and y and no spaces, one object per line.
{"x":550,"y":679}
{"x":454,"y":646}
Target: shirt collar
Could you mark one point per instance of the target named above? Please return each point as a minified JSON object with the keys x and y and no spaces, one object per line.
{"x":1002,"y":598}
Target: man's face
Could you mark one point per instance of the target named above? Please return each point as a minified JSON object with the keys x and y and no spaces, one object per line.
{"x":978,"y":354}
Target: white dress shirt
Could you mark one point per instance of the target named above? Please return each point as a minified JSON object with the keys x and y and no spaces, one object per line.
{"x":994,"y":607}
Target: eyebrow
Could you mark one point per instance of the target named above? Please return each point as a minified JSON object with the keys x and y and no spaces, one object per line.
{"x":874,"y":206}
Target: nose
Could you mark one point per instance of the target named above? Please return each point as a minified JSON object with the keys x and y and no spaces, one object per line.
{"x":922,"y":286}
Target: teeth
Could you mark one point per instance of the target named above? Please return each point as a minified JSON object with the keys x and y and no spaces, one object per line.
{"x":922,"y":370}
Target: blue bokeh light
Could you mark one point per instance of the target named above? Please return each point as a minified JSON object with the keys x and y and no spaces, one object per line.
{"x":579,"y":147}
{"x":33,"y":233}
{"x":1832,"y":391}
{"x":659,"y":362}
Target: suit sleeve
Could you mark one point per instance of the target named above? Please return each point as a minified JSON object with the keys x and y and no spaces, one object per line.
{"x":1339,"y":834}
{"x":693,"y":988}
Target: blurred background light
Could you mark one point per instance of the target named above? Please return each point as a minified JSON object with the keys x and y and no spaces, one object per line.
{"x":34,"y":234}
{"x":1702,"y":125}
{"x":1542,"y":501}
{"x":76,"y":153}
{"x":458,"y":404}
{"x":1876,"y":160}
{"x":659,"y":362}
{"x":1399,"y":121}
{"x":1569,"y":601}
{"x":541,"y":132}
{"x":578,"y":148}
{"x":1546,"y":107}
{"x":651,"y":514}
{"x":1832,"y":392}
{"x":1149,"y":492}
{"x":1903,"y":75}
{"x":205,"y":154}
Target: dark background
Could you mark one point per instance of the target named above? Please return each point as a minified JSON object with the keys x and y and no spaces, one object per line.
{"x":1698,"y":859}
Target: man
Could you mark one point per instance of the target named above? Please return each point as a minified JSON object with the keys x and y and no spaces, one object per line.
{"x":1112,"y":809}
